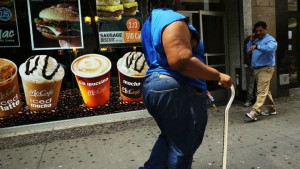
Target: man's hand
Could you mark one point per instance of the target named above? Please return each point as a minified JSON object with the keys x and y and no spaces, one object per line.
{"x":252,"y":37}
{"x":252,"y":48}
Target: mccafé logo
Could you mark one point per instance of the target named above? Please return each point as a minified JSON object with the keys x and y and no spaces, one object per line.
{"x":132,"y":83}
{"x":131,"y":91}
{"x":7,"y":93}
{"x":96,"y":92}
{"x":41,"y":93}
{"x":81,"y":81}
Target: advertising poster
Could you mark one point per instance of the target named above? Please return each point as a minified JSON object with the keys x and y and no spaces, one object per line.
{"x":9,"y":33}
{"x":55,"y":24}
{"x":120,"y":22}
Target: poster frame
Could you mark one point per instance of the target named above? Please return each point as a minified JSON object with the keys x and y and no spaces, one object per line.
{"x":54,"y":48}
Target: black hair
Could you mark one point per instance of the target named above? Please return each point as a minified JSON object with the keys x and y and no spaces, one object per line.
{"x":260,"y":23}
{"x":159,"y":4}
{"x":253,"y":30}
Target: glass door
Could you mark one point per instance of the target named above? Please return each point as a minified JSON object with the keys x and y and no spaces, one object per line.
{"x":292,"y":50}
{"x":289,"y":63}
{"x":292,"y":60}
{"x":193,"y":17}
{"x":211,"y":27}
{"x":213,"y":35}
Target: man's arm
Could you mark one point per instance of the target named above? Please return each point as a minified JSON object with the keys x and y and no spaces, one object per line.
{"x":269,"y":47}
{"x":249,"y":47}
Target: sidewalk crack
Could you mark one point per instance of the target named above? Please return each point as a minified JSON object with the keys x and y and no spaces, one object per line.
{"x":38,"y":166}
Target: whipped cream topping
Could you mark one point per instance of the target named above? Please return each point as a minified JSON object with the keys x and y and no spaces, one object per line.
{"x":41,"y":68}
{"x":133,"y":64}
{"x":91,"y":65}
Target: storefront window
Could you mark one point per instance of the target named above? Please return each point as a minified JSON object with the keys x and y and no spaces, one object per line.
{"x":88,"y":31}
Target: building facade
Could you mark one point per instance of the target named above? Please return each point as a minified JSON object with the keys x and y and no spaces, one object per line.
{"x":222,"y":25}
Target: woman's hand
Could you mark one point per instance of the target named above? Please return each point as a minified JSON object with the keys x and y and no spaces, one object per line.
{"x":225,"y":80}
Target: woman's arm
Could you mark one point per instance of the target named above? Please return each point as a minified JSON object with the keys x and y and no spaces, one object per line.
{"x":176,"y":39}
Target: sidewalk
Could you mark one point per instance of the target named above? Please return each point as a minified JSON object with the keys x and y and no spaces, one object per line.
{"x":272,"y":142}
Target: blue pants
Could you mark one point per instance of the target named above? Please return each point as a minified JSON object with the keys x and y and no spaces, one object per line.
{"x":181,"y":114}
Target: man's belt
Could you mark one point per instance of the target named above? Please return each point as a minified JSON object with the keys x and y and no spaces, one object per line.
{"x":261,"y":67}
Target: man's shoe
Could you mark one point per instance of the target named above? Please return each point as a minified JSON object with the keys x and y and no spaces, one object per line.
{"x":252,"y":115}
{"x":247,"y":104}
{"x":266,"y":113}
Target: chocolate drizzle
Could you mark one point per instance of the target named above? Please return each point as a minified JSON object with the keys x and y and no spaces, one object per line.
{"x":27,"y":71}
{"x":48,"y":77}
{"x":129,"y":61}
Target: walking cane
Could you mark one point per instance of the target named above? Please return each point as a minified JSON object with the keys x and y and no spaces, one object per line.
{"x":225,"y":135}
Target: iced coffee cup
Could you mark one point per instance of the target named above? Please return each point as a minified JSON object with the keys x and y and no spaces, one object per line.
{"x":132,"y":68}
{"x":92,"y":72}
{"x":10,"y":101}
{"x":41,"y":77}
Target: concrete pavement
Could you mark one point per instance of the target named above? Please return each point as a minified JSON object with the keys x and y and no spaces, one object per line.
{"x":272,"y":142}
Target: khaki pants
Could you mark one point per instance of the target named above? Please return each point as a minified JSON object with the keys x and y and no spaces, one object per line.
{"x":263,"y":78}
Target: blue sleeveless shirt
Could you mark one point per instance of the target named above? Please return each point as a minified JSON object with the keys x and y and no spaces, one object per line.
{"x":154,"y":52}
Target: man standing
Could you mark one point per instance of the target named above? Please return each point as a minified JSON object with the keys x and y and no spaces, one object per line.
{"x":263,"y":61}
